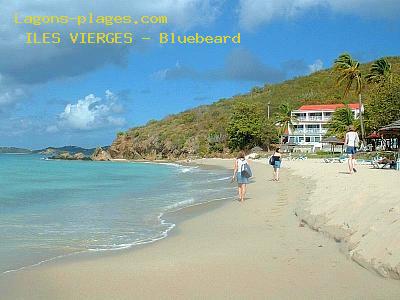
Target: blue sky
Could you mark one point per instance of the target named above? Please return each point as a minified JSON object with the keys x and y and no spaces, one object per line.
{"x":71,"y":95}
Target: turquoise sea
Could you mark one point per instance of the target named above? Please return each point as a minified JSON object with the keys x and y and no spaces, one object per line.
{"x":51,"y":208}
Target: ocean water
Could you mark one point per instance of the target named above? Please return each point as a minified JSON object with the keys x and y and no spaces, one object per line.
{"x":51,"y":208}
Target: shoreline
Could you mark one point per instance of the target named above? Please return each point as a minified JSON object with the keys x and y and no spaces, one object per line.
{"x":171,"y":216}
{"x":233,"y":250}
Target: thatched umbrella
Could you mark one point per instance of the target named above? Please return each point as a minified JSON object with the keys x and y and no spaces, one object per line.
{"x":333,"y":141}
{"x":392,"y":131}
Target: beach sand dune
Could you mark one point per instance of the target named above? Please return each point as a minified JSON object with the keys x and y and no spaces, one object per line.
{"x":361,"y":209}
{"x":250,"y":250}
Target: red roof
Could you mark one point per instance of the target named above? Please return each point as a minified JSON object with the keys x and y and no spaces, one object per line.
{"x":328,"y":106}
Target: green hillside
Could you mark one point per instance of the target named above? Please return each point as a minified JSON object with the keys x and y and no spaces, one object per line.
{"x":202,"y":131}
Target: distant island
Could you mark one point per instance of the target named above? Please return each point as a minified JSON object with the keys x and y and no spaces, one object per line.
{"x":14,"y":150}
{"x":65,"y":152}
{"x":75,"y":153}
{"x":69,"y":149}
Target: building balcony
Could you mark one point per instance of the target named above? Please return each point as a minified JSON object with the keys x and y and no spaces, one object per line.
{"x":310,"y":131}
{"x":313,"y":118}
{"x":298,"y":131}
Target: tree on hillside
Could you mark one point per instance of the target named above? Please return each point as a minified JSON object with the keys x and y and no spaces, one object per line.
{"x":248,"y":127}
{"x":380,"y":71}
{"x":342,"y":118}
{"x":284,"y":119}
{"x":349,"y":74}
{"x":383,"y":107}
{"x":256,"y":90}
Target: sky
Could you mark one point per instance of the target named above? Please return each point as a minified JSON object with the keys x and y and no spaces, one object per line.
{"x":66,"y":94}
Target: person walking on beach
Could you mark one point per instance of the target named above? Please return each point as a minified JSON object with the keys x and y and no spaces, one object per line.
{"x":241,"y":179}
{"x":351,"y":142}
{"x":275,"y":161}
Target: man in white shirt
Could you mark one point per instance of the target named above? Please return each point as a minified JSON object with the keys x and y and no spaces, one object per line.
{"x":351,"y":143}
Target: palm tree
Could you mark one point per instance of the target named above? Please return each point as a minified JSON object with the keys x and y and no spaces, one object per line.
{"x":285,"y":119}
{"x":342,"y":118}
{"x":380,"y":71}
{"x":349,"y":73}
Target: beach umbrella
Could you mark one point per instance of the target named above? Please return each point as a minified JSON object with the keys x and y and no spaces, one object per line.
{"x":391,"y":129}
{"x":333,"y":141}
{"x":373,"y":136}
{"x":371,"y":139}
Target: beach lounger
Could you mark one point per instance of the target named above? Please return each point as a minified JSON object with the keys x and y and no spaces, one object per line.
{"x":340,"y":159}
{"x":383,"y":164}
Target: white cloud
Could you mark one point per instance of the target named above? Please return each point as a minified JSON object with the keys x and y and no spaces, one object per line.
{"x":20,"y":126}
{"x":253,"y":13}
{"x":28,"y":65}
{"x":52,"y":129}
{"x":316,"y":66}
{"x":90,"y":113}
{"x":240,"y":64}
{"x":164,"y":74}
{"x":52,"y":61}
{"x":9,"y":96}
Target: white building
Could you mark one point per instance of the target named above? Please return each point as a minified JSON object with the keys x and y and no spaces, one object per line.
{"x":311,"y":123}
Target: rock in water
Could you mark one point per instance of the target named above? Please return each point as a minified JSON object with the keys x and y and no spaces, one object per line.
{"x":79,"y":156}
{"x":100,"y":155}
{"x":65,"y":155}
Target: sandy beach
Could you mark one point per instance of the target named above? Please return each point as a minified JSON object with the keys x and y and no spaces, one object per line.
{"x":251,"y":250}
{"x":361,"y":209}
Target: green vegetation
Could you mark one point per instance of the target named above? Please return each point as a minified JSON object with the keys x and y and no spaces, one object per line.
{"x":383,"y":107}
{"x":249,"y":127}
{"x":342,"y":118}
{"x":349,"y":74}
{"x":381,"y":71}
{"x":284,"y":119}
{"x":203,"y":131}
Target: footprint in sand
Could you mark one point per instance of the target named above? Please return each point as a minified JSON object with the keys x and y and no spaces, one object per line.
{"x":269,"y":225}
{"x":278,"y":209}
{"x":280,"y":204}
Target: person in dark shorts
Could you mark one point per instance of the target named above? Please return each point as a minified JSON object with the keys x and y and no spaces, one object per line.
{"x":351,"y":142}
{"x":276,"y":161}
